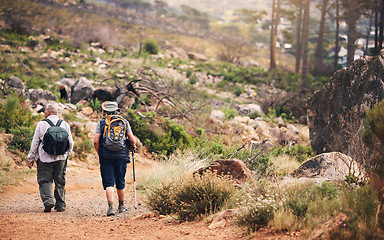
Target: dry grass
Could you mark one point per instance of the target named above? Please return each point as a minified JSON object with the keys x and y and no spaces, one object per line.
{"x":285,"y":220}
{"x":10,"y":174}
{"x":284,"y":164}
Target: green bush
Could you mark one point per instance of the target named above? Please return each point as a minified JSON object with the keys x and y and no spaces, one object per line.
{"x":83,"y":145}
{"x":163,"y":140}
{"x":13,"y":114}
{"x":361,"y":205}
{"x":22,"y":138}
{"x":373,"y":135}
{"x":191,"y":196}
{"x":230,"y":113}
{"x":297,"y":200}
{"x":255,"y":216}
{"x":150,"y":46}
{"x":95,"y":105}
{"x":300,"y":152}
{"x":238,"y":90}
{"x":257,"y":206}
{"x":256,"y":161}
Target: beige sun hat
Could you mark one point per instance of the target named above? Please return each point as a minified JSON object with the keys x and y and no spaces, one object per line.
{"x":110,"y":107}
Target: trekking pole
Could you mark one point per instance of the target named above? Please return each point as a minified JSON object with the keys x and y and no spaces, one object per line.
{"x":134,"y":178}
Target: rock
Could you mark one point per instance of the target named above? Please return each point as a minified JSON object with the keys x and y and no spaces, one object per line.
{"x":282,"y":136}
{"x":249,"y":108}
{"x":176,"y":53}
{"x":217,"y":114}
{"x":87,"y":111}
{"x":82,"y":103}
{"x":333,"y":166}
{"x":39,"y":94}
{"x":16,"y":83}
{"x":66,"y":82}
{"x":105,"y":94}
{"x":280,"y":122}
{"x":71,"y":107}
{"x":293,"y":128}
{"x":230,"y":167}
{"x":82,"y":89}
{"x":261,"y":127}
{"x":263,"y":146}
{"x":197,"y":57}
{"x":242,"y":119}
{"x":324,"y":230}
{"x":343,"y":102}
{"x":222,"y":219}
{"x":125,"y":102}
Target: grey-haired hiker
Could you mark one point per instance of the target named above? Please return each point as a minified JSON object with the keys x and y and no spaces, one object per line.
{"x":113,"y":141}
{"x":50,"y":168}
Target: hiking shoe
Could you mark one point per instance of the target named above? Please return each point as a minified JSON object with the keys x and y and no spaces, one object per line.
{"x":60,"y":209}
{"x":48,"y":208}
{"x":122,"y":208}
{"x":111,"y":211}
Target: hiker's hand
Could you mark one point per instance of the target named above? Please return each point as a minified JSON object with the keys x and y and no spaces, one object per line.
{"x":133,"y":148}
{"x":30,"y":164}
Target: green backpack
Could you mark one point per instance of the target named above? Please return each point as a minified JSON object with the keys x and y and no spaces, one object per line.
{"x":55,"y":141}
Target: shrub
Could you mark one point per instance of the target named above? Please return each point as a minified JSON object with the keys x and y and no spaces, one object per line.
{"x":299,"y":152}
{"x":257,"y":214}
{"x":230,"y":113}
{"x":191,"y":196}
{"x":373,"y":135}
{"x":256,"y":161}
{"x":165,"y":139}
{"x":361,"y":206}
{"x":150,"y":46}
{"x":13,"y":114}
{"x":259,"y":204}
{"x":22,"y":138}
{"x":297,"y":200}
{"x":83,"y":145}
{"x":95,"y":104}
{"x":238,"y":90}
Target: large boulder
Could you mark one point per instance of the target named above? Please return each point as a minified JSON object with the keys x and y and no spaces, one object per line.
{"x":39,"y":94}
{"x":105,"y":94}
{"x":334,"y":166}
{"x":343,"y":102}
{"x":234,"y":168}
{"x":66,"y":82}
{"x":16,"y":83}
{"x":81,"y":90}
{"x":250,"y":108}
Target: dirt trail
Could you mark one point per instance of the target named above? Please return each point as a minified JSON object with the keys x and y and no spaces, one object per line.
{"x":22,"y":216}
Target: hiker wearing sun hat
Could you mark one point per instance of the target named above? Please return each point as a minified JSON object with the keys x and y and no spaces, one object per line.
{"x":112,"y":141}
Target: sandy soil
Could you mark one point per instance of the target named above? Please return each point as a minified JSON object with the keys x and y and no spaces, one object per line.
{"x":22,"y":216}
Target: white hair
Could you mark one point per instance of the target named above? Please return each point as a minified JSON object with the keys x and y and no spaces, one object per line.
{"x":52,"y":109}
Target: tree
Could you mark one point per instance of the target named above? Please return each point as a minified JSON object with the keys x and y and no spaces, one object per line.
{"x":274,"y":23}
{"x":304,"y":71}
{"x":354,"y":9}
{"x":298,"y":36}
{"x":249,"y":16}
{"x":336,"y":58}
{"x":318,"y":64}
{"x":231,"y":44}
{"x":299,"y":7}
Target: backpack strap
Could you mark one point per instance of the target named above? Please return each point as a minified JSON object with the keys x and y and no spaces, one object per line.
{"x":49,"y":122}
{"x":59,"y":122}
